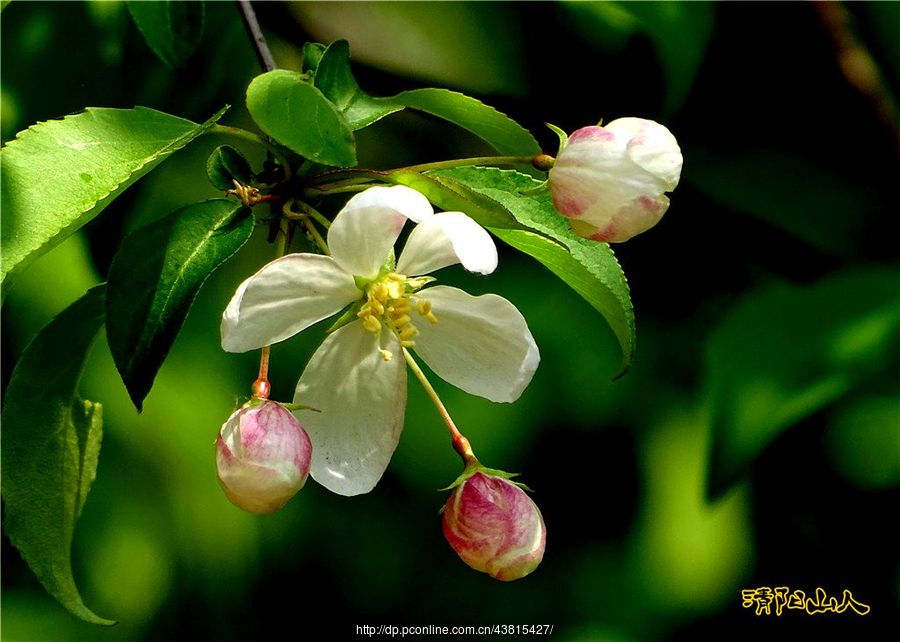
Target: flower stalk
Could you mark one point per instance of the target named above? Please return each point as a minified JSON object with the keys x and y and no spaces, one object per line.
{"x":460,"y":444}
{"x":261,"y":387}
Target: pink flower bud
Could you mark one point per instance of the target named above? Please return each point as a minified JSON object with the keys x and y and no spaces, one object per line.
{"x":494,"y":527}
{"x":263,"y":456}
{"x":611,"y":181}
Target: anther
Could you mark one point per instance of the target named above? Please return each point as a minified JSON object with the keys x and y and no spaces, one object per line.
{"x":401,"y":306}
{"x":401,"y":321}
{"x":380,"y":292}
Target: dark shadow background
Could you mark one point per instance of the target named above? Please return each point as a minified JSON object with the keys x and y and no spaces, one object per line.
{"x":790,"y":180}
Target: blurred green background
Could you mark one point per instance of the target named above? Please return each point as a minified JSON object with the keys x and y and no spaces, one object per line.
{"x":767,"y":305}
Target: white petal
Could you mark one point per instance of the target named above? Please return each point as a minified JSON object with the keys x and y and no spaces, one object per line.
{"x":652,"y":147}
{"x":363,"y":233}
{"x":402,"y":199}
{"x":361,"y":399}
{"x":286,"y":296}
{"x":480,"y":344}
{"x":446,"y":239}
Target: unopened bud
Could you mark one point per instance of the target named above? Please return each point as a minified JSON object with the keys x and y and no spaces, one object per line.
{"x":610,"y":181}
{"x":262,"y":456}
{"x":494,"y":527}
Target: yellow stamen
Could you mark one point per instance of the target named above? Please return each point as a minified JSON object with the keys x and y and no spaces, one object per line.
{"x":388,"y":305}
{"x":401,"y":306}
{"x":399,"y":322}
{"x":372,"y":324}
{"x":380,"y":292}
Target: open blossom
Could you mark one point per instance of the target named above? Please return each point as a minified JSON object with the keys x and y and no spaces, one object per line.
{"x":494,"y":527}
{"x":262,"y":456}
{"x":610,"y":181}
{"x":357,"y":377}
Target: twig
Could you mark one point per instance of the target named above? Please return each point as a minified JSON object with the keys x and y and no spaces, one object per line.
{"x":856,"y":62}
{"x":266,"y":60}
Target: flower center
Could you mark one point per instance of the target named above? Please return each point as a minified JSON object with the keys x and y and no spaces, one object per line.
{"x":389,"y":303}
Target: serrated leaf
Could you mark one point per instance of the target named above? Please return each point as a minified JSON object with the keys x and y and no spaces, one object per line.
{"x":335,"y":79}
{"x":172,"y":28}
{"x":454,"y":196}
{"x":497,"y":129}
{"x":155,"y":277}
{"x":51,"y":441}
{"x":588,"y":267}
{"x":226,"y":163}
{"x":59,"y":174}
{"x":785,"y":352}
{"x":300,"y":117}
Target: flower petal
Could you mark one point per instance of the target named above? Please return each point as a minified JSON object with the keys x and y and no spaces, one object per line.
{"x":361,"y":399}
{"x":363,"y":233}
{"x":446,"y":239}
{"x":652,"y":147}
{"x":480,"y":343}
{"x":286,"y":296}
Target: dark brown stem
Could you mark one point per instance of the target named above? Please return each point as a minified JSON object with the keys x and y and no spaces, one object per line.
{"x":266,"y":61}
{"x":856,"y":62}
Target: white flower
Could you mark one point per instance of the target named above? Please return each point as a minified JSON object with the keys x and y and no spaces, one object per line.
{"x":610,"y":181}
{"x":357,"y":377}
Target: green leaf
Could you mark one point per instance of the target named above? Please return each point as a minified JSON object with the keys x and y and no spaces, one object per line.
{"x":226,"y":163}
{"x":598,"y":279}
{"x":454,"y":196}
{"x":312,"y":54}
{"x":155,"y":277}
{"x":51,"y":441}
{"x":59,"y":174}
{"x":300,"y":117}
{"x":785,"y":352}
{"x":499,"y":130}
{"x":588,"y":267}
{"x":172,"y":28}
{"x":335,"y":79}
